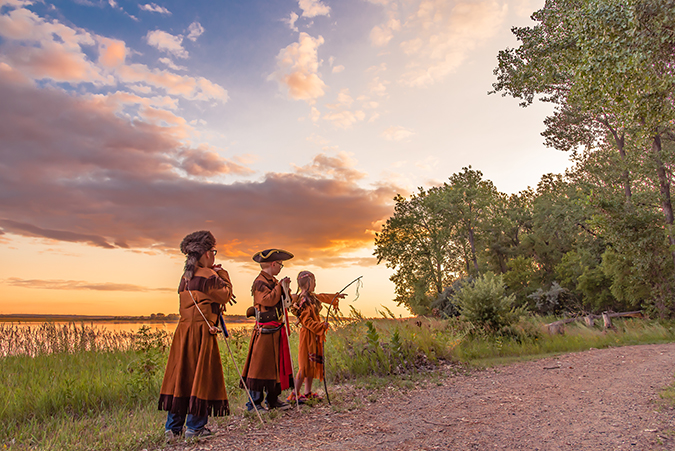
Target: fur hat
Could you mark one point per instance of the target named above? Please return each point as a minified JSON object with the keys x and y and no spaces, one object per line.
{"x":272,"y":255}
{"x":194,"y":246}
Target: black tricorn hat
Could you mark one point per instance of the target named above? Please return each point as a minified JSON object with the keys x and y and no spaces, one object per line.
{"x":272,"y":255}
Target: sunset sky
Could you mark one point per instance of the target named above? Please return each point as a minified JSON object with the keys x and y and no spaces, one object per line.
{"x":126,"y":125}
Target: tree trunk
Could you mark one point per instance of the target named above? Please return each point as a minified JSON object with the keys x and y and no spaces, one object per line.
{"x":620,"y":141}
{"x":473,"y":249}
{"x":607,"y":321}
{"x":664,"y":188}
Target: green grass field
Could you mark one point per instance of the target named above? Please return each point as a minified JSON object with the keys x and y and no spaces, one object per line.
{"x":76,"y":388}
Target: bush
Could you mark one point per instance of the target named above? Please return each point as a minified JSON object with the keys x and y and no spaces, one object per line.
{"x":486,"y":306}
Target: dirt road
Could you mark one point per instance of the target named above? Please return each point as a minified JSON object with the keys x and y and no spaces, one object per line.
{"x":594,"y":400}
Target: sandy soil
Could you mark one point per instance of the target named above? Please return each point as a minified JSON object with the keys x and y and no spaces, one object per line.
{"x":594,"y":400}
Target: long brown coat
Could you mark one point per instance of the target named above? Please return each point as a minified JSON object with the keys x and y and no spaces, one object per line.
{"x":312,"y":333}
{"x":193,"y":382}
{"x":261,"y":370}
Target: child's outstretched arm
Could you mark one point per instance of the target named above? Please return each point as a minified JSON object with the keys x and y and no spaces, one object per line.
{"x":331,"y":299}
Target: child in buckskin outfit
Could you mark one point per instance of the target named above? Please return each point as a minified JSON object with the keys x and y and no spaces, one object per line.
{"x":307,"y":307}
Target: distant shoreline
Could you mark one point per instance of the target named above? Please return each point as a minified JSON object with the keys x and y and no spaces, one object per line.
{"x":37,"y":318}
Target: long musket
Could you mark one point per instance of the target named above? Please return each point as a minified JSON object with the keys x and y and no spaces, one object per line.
{"x":325,"y":384}
{"x":288,"y":341}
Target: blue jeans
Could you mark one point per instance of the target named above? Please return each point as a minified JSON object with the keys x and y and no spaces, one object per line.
{"x":175,"y":421}
{"x":257,"y":397}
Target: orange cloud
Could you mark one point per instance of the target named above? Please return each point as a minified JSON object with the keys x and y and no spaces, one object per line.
{"x":72,"y":170}
{"x":181,"y":85}
{"x":205,"y":163}
{"x":112,"y":53}
{"x":79,"y":285}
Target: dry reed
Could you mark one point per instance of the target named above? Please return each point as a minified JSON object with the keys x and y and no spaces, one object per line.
{"x":49,"y":338}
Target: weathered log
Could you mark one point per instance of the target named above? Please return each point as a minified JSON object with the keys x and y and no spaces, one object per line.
{"x":635,"y":314}
{"x":557,"y":327}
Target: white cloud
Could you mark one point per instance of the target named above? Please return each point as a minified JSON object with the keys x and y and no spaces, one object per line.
{"x":318,"y":140}
{"x":378,"y":87}
{"x":194,"y":31}
{"x":313,"y":8}
{"x":193,"y":88}
{"x":167,"y":42}
{"x":380,"y":35}
{"x":344,"y":119}
{"x":315,"y":115}
{"x":155,"y":8}
{"x":297,"y":69}
{"x":397,"y":133}
{"x":170,"y":64}
{"x":428,"y":163}
{"x":337,"y":69}
{"x":445,"y":33}
{"x":290,"y":21}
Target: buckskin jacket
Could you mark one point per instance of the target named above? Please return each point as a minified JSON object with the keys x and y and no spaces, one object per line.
{"x":265,"y":368}
{"x":193,"y":382}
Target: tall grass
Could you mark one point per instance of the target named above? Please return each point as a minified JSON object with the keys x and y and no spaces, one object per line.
{"x":70,"y":387}
{"x":50,"y":338}
{"x":577,"y":337}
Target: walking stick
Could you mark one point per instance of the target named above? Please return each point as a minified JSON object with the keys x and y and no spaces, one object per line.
{"x":226,"y":335}
{"x":288,"y":340}
{"x":325,"y":384}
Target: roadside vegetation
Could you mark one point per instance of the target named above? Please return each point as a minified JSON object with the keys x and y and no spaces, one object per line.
{"x":76,"y":396}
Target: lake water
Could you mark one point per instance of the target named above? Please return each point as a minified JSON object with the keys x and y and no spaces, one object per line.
{"x":123,"y":326}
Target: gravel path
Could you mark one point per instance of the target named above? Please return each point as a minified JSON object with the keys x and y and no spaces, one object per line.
{"x":605,"y":399}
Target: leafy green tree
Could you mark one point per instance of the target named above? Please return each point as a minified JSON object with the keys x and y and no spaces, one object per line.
{"x":608,"y":67}
{"x":470,"y":200}
{"x":416,"y":242}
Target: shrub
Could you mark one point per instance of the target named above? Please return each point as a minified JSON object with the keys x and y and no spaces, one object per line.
{"x":485,"y":305}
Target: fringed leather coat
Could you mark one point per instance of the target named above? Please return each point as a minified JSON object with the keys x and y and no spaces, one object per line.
{"x":263,"y":370}
{"x":312,"y":333}
{"x":193,"y":381}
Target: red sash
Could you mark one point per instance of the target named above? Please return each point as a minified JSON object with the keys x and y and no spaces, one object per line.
{"x":285,"y":368}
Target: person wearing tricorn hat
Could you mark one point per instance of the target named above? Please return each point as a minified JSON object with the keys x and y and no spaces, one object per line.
{"x":193,"y":385}
{"x":268,"y":364}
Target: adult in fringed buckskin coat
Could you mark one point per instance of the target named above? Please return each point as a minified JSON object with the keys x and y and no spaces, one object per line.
{"x":268,"y":364}
{"x":193,"y":384}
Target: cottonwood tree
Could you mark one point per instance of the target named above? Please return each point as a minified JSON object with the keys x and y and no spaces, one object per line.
{"x":416,"y":242}
{"x":470,"y":201}
{"x":608,"y":67}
